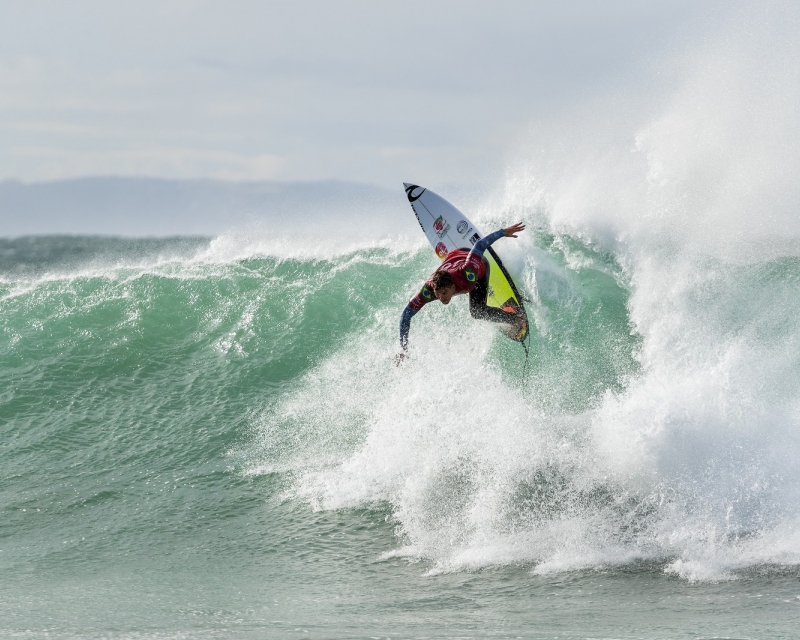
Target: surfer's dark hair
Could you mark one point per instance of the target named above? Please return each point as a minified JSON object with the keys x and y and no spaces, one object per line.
{"x":441,"y":280}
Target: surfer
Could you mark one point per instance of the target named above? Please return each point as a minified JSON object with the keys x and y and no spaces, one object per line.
{"x":463,"y":272}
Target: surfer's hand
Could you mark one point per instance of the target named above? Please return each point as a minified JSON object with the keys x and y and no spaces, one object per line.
{"x":398,"y":359}
{"x":514,"y":229}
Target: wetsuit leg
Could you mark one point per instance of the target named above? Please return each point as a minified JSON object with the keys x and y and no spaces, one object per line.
{"x":477,"y":302}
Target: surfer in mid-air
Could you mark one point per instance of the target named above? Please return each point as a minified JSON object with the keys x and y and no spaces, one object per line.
{"x":464,"y":272}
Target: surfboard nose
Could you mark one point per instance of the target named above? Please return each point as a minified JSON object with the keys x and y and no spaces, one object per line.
{"x":410,"y":189}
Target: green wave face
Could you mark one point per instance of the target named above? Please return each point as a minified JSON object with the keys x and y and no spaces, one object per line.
{"x":231,"y":434}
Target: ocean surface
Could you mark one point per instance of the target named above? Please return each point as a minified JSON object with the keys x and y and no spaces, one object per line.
{"x":208,"y":437}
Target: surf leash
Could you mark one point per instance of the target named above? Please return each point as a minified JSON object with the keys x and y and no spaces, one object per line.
{"x":526,"y":348}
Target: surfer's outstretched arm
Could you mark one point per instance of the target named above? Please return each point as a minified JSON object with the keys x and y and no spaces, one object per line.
{"x":416,"y":303}
{"x":405,"y":325}
{"x":484,"y":243}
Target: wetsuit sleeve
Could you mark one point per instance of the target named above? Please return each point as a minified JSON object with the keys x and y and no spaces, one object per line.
{"x":405,"y":324}
{"x":483,"y":244}
{"x":474,"y":260}
{"x":416,"y":303}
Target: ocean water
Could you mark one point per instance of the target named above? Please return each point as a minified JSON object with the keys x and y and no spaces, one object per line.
{"x":207,"y":437}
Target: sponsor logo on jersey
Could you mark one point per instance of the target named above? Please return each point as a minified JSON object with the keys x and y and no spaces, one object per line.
{"x":475,"y":237}
{"x":462,"y":226}
{"x":441,"y":250}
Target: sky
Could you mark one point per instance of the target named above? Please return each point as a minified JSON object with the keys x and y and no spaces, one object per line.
{"x":364,"y":91}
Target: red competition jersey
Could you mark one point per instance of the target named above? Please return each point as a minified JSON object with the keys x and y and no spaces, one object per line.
{"x":465,"y":269}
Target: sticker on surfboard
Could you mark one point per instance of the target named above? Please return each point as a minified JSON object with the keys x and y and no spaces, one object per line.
{"x":447,"y":229}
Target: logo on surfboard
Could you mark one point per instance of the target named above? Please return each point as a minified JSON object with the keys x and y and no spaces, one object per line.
{"x":441,"y":250}
{"x":440,"y":226}
{"x":410,"y":192}
{"x":462,"y":226}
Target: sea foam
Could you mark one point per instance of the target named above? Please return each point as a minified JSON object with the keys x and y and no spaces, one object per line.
{"x":660,"y":420}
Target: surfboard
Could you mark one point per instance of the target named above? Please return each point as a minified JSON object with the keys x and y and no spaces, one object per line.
{"x":447,"y":229}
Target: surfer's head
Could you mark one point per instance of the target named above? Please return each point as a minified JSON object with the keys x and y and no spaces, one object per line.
{"x":443,"y":287}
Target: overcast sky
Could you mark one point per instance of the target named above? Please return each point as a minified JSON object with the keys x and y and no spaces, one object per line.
{"x":367,"y":91}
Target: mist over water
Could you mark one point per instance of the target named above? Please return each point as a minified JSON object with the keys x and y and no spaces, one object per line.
{"x":697,"y":196}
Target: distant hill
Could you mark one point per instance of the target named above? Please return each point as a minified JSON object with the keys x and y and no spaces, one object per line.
{"x":156,"y":207}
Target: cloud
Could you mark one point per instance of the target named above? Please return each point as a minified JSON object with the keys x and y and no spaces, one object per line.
{"x":56,"y":163}
{"x":239,"y":89}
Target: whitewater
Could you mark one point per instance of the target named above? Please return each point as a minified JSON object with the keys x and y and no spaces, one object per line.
{"x":208,"y":437}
